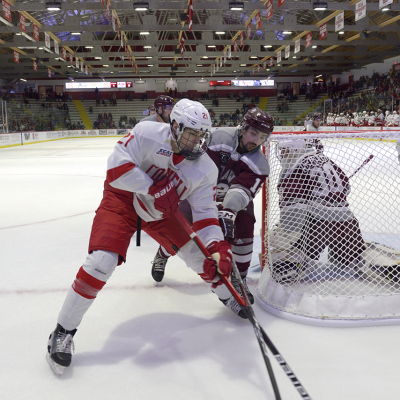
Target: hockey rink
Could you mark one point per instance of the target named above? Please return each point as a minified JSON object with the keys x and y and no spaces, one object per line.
{"x":144,"y":340}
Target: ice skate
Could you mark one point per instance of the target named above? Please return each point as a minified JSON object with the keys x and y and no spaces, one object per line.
{"x":235,"y":307}
{"x":59,"y":349}
{"x":236,"y":285}
{"x":158,"y":268}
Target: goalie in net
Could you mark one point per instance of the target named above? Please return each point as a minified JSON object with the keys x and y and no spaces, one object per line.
{"x":315,"y":215}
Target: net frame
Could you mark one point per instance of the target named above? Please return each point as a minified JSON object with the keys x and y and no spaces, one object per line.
{"x":331,"y":295}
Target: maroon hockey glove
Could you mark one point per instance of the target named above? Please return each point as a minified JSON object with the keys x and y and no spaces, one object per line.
{"x":222,"y":263}
{"x":226,"y":219}
{"x":165,"y":196}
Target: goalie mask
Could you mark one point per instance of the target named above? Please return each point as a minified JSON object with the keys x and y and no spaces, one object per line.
{"x":292,"y":149}
{"x":192,"y":134}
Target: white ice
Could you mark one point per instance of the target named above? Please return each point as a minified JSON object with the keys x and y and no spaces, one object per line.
{"x":142,"y":340}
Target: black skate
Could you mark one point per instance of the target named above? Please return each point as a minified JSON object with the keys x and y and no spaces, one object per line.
{"x":158,"y":268}
{"x":235,"y":307}
{"x":59,"y":354}
{"x":235,"y":284}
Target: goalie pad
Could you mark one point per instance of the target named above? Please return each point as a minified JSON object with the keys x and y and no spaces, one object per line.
{"x":380,"y":263}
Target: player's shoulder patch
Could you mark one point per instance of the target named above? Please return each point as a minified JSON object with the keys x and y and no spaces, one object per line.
{"x":164,"y":152}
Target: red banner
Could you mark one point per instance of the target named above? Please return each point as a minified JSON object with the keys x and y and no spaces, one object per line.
{"x":6,"y":10}
{"x":182,"y":42}
{"x":34,"y":65}
{"x":241,"y":39}
{"x":16,"y":56}
{"x":190,"y":15}
{"x":271,"y":61}
{"x":270,"y":9}
{"x":36,"y":32}
{"x":235,"y":46}
{"x":71,"y":59}
{"x":22,"y":22}
{"x":323,"y":30}
{"x":64,"y":53}
{"x":248,"y":31}
{"x":308,"y":39}
{"x":258,"y":21}
{"x":281,"y":2}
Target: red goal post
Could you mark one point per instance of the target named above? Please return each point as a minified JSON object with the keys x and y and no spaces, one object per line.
{"x":324,"y":261}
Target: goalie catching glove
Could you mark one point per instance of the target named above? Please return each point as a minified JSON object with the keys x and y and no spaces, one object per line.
{"x":226,"y":219}
{"x":165,"y":196}
{"x":221,"y":264}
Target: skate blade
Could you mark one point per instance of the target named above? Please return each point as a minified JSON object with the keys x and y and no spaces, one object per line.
{"x":56,"y":368}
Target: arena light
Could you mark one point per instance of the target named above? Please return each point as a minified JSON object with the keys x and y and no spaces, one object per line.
{"x":53,"y":5}
{"x":320,"y":6}
{"x":236,"y":6}
{"x":141,"y":6}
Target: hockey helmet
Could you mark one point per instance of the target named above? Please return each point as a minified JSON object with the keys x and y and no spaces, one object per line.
{"x":191,"y":114}
{"x":164,"y":102}
{"x":257,"y":119}
{"x":317,"y":115}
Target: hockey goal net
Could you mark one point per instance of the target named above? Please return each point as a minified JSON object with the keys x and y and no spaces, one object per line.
{"x":331,"y":228}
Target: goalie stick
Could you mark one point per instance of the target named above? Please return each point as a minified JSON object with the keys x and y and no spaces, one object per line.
{"x":262,"y":337}
{"x":365,"y":162}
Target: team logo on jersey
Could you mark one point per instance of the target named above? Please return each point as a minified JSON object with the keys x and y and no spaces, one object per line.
{"x":225,"y":157}
{"x":164,"y":152}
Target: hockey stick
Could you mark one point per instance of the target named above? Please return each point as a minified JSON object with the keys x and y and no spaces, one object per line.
{"x":365,"y":162}
{"x":263,"y":338}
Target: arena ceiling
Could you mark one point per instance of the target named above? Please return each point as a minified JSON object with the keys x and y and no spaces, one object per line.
{"x":85,"y":29}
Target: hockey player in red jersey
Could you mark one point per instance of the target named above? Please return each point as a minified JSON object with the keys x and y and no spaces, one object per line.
{"x":242,"y":171}
{"x":315,"y":215}
{"x":148,"y":173}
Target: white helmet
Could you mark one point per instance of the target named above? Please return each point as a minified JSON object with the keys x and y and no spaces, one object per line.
{"x":191,"y":114}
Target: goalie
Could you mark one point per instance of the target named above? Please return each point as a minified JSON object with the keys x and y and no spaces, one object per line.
{"x":315,"y":214}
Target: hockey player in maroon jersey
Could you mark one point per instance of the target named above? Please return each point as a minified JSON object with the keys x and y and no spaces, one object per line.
{"x":315,"y":215}
{"x":162,"y":106}
{"x":242,"y":171}
{"x":148,"y":173}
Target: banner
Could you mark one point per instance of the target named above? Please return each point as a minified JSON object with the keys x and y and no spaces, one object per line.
{"x":279,"y":56}
{"x":47,"y":40}
{"x":361,"y":10}
{"x":383,"y":3}
{"x":34,"y":65}
{"x":36,"y":32}
{"x":229,"y":52}
{"x":49,"y":72}
{"x":113,"y":22}
{"x":22,"y":22}
{"x":241,"y":39}
{"x":235,"y":46}
{"x":323,"y":30}
{"x":258,"y":20}
{"x":71,"y":59}
{"x":248,"y":36}
{"x":270,"y":9}
{"x":190,"y":15}
{"x":76,"y":62}
{"x":16,"y":56}
{"x":56,"y":47}
{"x":297,"y":46}
{"x":281,"y":2}
{"x":6,"y":10}
{"x":81,"y":65}
{"x":308,"y":39}
{"x":64,"y":53}
{"x":287,"y":51}
{"x":265,"y":65}
{"x":339,"y":22}
{"x":271,"y":61}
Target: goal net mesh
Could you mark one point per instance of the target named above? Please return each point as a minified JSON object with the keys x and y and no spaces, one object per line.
{"x":331,"y":228}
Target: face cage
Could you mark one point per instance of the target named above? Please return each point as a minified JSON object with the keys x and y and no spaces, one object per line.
{"x":199,"y":149}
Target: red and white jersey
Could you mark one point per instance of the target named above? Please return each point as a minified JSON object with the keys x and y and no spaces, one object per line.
{"x":241,"y":176}
{"x":146,"y":156}
{"x":319,"y":184}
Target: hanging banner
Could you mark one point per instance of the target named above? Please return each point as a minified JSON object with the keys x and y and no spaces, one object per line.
{"x":220,"y":62}
{"x":107,"y":9}
{"x":270,"y":9}
{"x":323,"y":30}
{"x":235,"y":46}
{"x":47,"y":40}
{"x":22,"y":22}
{"x":308,"y":39}
{"x":113,"y":22}
{"x":281,"y":2}
{"x":297,"y":46}
{"x":224,"y":57}
{"x":56,"y":47}
{"x":34,"y":65}
{"x":213,"y":69}
{"x":190,"y":15}
{"x":86,"y":70}
{"x":258,"y":68}
{"x":229,"y":52}
{"x":118,"y":32}
{"x":16,"y":57}
{"x":271,"y":61}
{"x":182,"y":42}
{"x":264,"y":65}
{"x":71,"y":59}
{"x":76,"y":62}
{"x":339,"y":22}
{"x":384,"y":3}
{"x":64,"y":53}
{"x":81,"y":65}
{"x":241,"y":39}
{"x":252,"y":71}
{"x":258,"y":20}
{"x":36,"y":32}
{"x":287,"y":51}
{"x":6,"y":10}
{"x":248,"y":36}
{"x":49,"y":72}
{"x":279,"y":56}
{"x":361,"y":10}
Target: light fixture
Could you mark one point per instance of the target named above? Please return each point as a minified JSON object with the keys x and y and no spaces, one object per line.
{"x":22,"y":79}
{"x":386,"y":8}
{"x":287,"y":32}
{"x":204,"y":57}
{"x":98,"y":58}
{"x":75,"y":33}
{"x":88,"y":47}
{"x":150,"y":65}
{"x":341,"y":33}
{"x":141,"y":6}
{"x":53,"y":5}
{"x":211,"y":45}
{"x":243,"y":65}
{"x":236,"y":5}
{"x":148,"y":57}
{"x":318,"y":76}
{"x":253,"y":57}
{"x":267,"y":46}
{"x":144,"y":33}
{"x":294,"y":57}
{"x":106,"y":65}
{"x":220,"y":33}
{"x":147,"y":47}
{"x":199,"y":65}
{"x":313,"y":47}
{"x":320,"y":5}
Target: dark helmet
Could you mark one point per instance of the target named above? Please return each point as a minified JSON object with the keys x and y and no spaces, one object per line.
{"x":317,"y":115}
{"x":260,"y":120}
{"x":164,"y":101}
